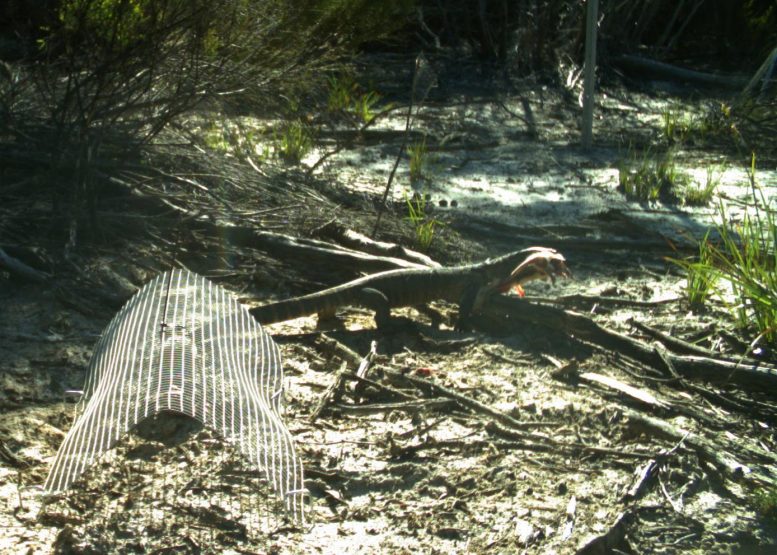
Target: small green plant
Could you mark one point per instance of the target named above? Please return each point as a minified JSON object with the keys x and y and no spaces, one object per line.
{"x":118,"y":23}
{"x":765,"y":503}
{"x":745,"y":257}
{"x":364,"y":106}
{"x":701,"y":278}
{"x":418,"y":160}
{"x":238,"y":139}
{"x":650,"y":178}
{"x":423,"y":224}
{"x":293,"y":142}
{"x":701,"y":195}
{"x":215,"y":137}
{"x":341,"y":91}
{"x":717,"y":122}
{"x":347,"y":97}
{"x":677,"y":125}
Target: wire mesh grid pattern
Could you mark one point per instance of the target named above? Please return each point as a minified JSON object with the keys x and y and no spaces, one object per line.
{"x":186,"y":345}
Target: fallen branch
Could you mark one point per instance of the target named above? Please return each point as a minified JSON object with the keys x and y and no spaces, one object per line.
{"x":569,"y":524}
{"x":16,"y":266}
{"x":764,"y":75}
{"x":520,"y":445}
{"x":681,"y":74}
{"x":335,"y":391}
{"x":385,"y":389}
{"x":673,"y":343}
{"x":588,"y":300}
{"x":644,"y":475}
{"x":415,"y":405}
{"x":281,"y":245}
{"x":366,"y":362}
{"x":430,"y":388}
{"x":756,"y":376}
{"x":498,"y":430}
{"x":310,"y":250}
{"x":613,"y":540}
{"x":705,"y":449}
{"x":359,"y":242}
{"x":331,"y":345}
{"x":647,"y":472}
{"x":364,"y":367}
{"x":646,"y":398}
{"x":711,"y":396}
{"x":10,"y":458}
{"x":568,"y":243}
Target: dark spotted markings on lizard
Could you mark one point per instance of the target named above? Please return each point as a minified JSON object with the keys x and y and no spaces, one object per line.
{"x":469,"y":285}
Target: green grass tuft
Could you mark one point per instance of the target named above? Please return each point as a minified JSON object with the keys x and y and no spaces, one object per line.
{"x":293,"y":142}
{"x":419,"y":159}
{"x":765,"y":504}
{"x":701,"y":278}
{"x":677,"y":125}
{"x":347,"y":97}
{"x":745,"y":258}
{"x":424,"y":225}
{"x":701,"y":195}
{"x":649,"y":178}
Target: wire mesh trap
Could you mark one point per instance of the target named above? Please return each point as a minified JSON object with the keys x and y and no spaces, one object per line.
{"x":184,"y":345}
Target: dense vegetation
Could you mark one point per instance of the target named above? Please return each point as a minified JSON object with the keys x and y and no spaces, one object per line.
{"x":90,"y":86}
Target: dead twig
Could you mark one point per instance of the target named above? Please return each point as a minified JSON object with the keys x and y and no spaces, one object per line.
{"x":648,"y":471}
{"x":569,"y":447}
{"x":10,"y":458}
{"x":430,"y":388}
{"x":640,"y":395}
{"x":333,"y":392}
{"x":613,"y":540}
{"x":390,"y":391}
{"x":366,"y":362}
{"x":569,"y":523}
{"x":676,"y":505}
{"x":413,"y":406}
{"x":673,"y":343}
{"x":331,"y":345}
{"x":645,"y":65}
{"x":646,"y":398}
{"x":523,"y":445}
{"x":644,"y":475}
{"x":711,"y":396}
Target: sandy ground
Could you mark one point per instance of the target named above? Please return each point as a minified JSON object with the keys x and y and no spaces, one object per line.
{"x":435,"y":477}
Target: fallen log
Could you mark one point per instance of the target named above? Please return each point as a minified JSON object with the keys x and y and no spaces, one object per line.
{"x":285,"y":247}
{"x":748,"y":375}
{"x":357,"y":241}
{"x":280,"y":245}
{"x":16,"y":266}
{"x":662,"y":69}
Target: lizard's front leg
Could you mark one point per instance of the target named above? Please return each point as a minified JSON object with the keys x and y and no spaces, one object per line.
{"x":467,"y":304}
{"x":377,"y":301}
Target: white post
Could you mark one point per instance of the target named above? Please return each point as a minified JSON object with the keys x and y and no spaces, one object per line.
{"x":592,"y":16}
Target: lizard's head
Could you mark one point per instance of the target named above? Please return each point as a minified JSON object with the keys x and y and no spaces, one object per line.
{"x":542,"y":263}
